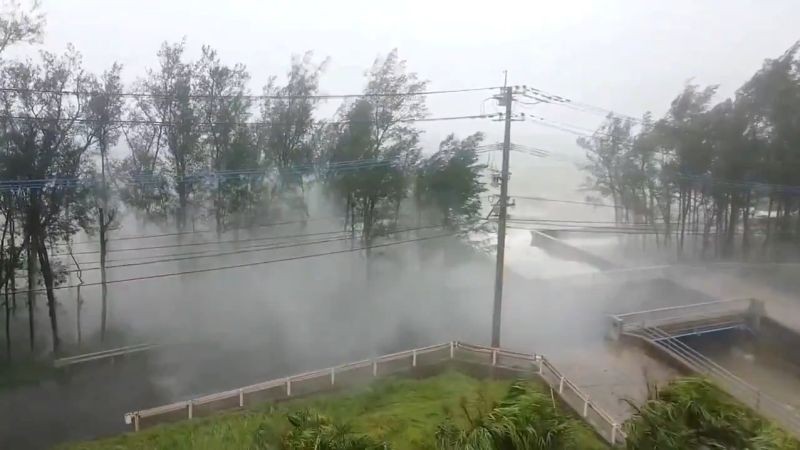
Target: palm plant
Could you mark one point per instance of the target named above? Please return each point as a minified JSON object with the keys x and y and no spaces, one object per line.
{"x":692,"y":413}
{"x":525,"y":419}
{"x":312,"y":431}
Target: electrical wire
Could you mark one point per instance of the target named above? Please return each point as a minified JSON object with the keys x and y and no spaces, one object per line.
{"x":244,"y":96}
{"x":243,"y":265}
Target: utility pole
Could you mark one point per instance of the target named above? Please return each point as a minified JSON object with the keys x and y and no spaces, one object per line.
{"x":501,"y":222}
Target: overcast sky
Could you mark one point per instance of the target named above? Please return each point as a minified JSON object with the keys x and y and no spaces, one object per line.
{"x":629,"y":56}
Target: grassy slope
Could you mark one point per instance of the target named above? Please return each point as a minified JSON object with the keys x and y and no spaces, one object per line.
{"x":404,"y":412}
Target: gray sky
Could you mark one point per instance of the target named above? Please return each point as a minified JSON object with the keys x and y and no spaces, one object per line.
{"x":629,"y":56}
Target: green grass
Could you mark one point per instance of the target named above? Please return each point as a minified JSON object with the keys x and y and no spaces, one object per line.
{"x":402,"y":411}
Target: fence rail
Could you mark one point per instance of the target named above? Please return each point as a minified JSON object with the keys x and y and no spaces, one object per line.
{"x":101,"y":355}
{"x":695,"y":312}
{"x":361,"y":372}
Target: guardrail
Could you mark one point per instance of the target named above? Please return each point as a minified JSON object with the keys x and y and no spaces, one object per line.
{"x":361,"y":372}
{"x":103,"y":354}
{"x":660,"y":317}
{"x":743,"y":391}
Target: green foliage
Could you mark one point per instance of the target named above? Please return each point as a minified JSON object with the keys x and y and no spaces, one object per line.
{"x":692,"y":413}
{"x":312,"y":431}
{"x":402,"y":412}
{"x":450,"y":181}
{"x":526,"y":419}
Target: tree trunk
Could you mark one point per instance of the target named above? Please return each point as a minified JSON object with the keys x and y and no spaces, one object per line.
{"x":103,"y":285}
{"x":746,"y":226}
{"x":31,"y":290}
{"x":49,"y":281}
{"x":768,"y":227}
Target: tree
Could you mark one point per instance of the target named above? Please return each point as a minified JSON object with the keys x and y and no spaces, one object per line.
{"x":171,"y":107}
{"x":47,"y":146}
{"x":104,"y":110}
{"x":449,"y":181}
{"x":224,"y":107}
{"x":286,"y":133}
{"x":18,"y":25}
{"x":606,"y":152}
{"x":377,"y":133}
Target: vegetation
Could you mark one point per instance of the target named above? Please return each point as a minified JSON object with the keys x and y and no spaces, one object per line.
{"x":693,"y":413}
{"x":714,"y":171}
{"x":403,"y":413}
{"x":197,"y":147}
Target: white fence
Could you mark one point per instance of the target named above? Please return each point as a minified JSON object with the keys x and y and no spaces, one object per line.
{"x":361,"y":372}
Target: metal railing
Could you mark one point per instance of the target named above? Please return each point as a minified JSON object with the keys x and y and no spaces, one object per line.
{"x":361,"y":372}
{"x":101,"y":355}
{"x":676,"y":314}
{"x":741,"y":390}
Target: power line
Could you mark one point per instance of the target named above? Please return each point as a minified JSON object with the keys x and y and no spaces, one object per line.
{"x":243,"y":96}
{"x":167,"y":123}
{"x":260,"y":248}
{"x":194,"y":244}
{"x":181,"y":233}
{"x":553,"y":200}
{"x":239,"y":266}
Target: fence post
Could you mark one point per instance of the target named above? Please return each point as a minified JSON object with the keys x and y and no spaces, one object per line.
{"x":561,"y":385}
{"x":414,"y":358}
{"x":452,"y":349}
{"x":613,"y":433}
{"x":494,"y":357}
{"x":374,"y":367}
{"x":333,"y":375}
{"x":241,"y":398}
{"x":190,"y":408}
{"x":586,"y":406}
{"x":288,"y":387}
{"x":540,"y":362}
{"x":136,"y":422}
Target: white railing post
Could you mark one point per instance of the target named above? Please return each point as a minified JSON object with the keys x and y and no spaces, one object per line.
{"x":494,"y":357}
{"x":241,"y":398}
{"x":288,"y":387}
{"x":190,"y":408}
{"x":613,"y":433}
{"x":540,"y":362}
{"x":561,"y":385}
{"x":333,"y":375}
{"x":136,"y":422}
{"x":414,"y":358}
{"x":452,"y":349}
{"x":374,"y":367}
{"x":586,"y":406}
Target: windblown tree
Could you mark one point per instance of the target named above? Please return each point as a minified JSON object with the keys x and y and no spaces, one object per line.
{"x":710,"y":168}
{"x":17,"y":25}
{"x":378,"y":132}
{"x":286,"y":133}
{"x":449,"y":182}
{"x":47,"y":148}
{"x":103,"y":114}
{"x":171,"y":107}
{"x":224,"y":109}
